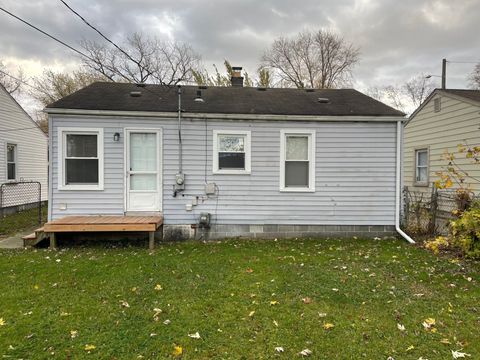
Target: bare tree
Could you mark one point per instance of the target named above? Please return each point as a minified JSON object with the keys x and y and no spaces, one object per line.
{"x":141,"y":59}
{"x":405,"y":97}
{"x":474,"y":77}
{"x":52,"y":86}
{"x":320,"y":59}
{"x":13,"y":83}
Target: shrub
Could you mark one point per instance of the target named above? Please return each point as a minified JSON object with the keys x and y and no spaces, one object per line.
{"x":466,"y":231}
{"x":440,"y":243}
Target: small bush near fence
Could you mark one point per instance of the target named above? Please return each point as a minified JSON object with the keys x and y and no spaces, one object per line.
{"x":430,"y":213}
{"x":21,"y":207}
{"x":466,"y":231}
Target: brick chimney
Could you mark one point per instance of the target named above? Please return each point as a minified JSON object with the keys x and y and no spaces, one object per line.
{"x":237,"y":78}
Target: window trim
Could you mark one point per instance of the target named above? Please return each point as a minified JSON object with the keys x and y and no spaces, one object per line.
{"x":311,"y":158}
{"x":248,"y":166}
{"x":15,"y":161}
{"x":415,"y":166}
{"x":61,"y":154}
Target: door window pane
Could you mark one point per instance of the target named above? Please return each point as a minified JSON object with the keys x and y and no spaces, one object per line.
{"x":143,"y":152}
{"x":297,"y":148}
{"x":231,"y":143}
{"x":81,"y":145}
{"x":143,"y":182}
{"x":296,"y":173}
{"x":234,"y":160}
{"x":81,"y":171}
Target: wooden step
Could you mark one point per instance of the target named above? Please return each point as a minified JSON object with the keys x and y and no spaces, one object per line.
{"x":34,"y":238}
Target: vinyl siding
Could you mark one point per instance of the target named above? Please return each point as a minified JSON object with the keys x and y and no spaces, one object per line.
{"x":32,"y":161}
{"x":457,"y":122}
{"x":355,"y":173}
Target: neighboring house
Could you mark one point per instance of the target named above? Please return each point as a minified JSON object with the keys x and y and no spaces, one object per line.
{"x":446,"y":118}
{"x":23,"y":153}
{"x":261,"y":162}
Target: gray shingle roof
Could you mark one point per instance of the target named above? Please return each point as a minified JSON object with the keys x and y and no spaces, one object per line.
{"x":469,"y":94}
{"x":226,"y":100}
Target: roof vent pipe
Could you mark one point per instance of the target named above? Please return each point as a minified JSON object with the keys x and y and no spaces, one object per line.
{"x":135,"y":93}
{"x":237,"y":78}
{"x":323,"y":100}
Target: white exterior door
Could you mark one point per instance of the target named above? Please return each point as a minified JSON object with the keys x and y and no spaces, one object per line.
{"x":143,"y":160}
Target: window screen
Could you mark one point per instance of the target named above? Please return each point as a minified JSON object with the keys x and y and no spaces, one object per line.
{"x":296,"y":161}
{"x":421,"y":166}
{"x":231,"y":152}
{"x":81,"y":159}
{"x":11,"y":161}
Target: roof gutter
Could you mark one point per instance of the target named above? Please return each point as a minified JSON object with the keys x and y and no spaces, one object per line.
{"x":398,"y":192}
{"x":222,"y":116}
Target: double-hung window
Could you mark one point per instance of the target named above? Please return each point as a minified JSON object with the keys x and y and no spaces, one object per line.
{"x":80,"y":159}
{"x":11,"y":162}
{"x":231,"y":152}
{"x":421,"y":167}
{"x":297,"y":160}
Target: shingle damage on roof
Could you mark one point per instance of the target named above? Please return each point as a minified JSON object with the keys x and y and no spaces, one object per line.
{"x":225,"y":100}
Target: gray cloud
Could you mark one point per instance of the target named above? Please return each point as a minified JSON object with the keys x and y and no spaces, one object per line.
{"x":398,"y":39}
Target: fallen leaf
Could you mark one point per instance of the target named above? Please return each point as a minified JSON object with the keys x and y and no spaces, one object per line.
{"x":166,"y":322}
{"x":328,"y":326}
{"x":307,"y":300}
{"x":251,"y":313}
{"x":73,"y":334}
{"x":274,"y":302}
{"x":177,"y":350}
{"x":457,"y":354}
{"x":124,"y":303}
{"x":249,"y":270}
{"x":305,"y":352}
{"x":279,"y":349}
{"x":2,"y":322}
{"x":275,"y":323}
{"x":194,"y":336}
{"x":401,"y":327}
{"x":445,"y":341}
{"x":428,"y":323}
{"x":158,"y":287}
{"x":410,"y":348}
{"x":89,"y":347}
{"x":322,"y":315}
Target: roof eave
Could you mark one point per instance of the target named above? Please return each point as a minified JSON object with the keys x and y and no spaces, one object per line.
{"x":373,"y":118}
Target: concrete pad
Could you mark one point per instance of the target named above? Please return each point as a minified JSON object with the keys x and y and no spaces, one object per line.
{"x":13,"y":242}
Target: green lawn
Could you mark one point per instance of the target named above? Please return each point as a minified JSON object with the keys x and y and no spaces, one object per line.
{"x":244,"y":298}
{"x":21,"y":221}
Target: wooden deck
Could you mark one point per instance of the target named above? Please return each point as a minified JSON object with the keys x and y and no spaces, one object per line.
{"x":104,"y":223}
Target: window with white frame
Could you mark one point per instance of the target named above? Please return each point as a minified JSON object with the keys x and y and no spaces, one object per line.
{"x":297,"y":160}
{"x":231,"y":152}
{"x":421,"y":166}
{"x":11,"y":161}
{"x":81,"y":159}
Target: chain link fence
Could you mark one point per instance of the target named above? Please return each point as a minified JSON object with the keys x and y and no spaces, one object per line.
{"x":21,"y":206}
{"x":430,"y":212}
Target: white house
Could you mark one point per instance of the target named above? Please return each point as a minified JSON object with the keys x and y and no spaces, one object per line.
{"x":234,"y":161}
{"x":23,"y":151}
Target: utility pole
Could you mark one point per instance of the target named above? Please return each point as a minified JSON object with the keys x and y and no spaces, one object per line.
{"x":444,"y":73}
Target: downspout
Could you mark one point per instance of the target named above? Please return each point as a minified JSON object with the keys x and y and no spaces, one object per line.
{"x":398,"y":175}
{"x":179,"y":92}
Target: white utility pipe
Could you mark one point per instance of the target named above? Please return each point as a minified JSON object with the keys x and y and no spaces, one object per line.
{"x":398,"y":174}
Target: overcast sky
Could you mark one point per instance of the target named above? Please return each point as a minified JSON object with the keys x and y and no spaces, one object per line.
{"x":398,"y":38}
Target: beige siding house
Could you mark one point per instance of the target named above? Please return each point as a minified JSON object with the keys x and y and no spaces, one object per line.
{"x":446,"y":119}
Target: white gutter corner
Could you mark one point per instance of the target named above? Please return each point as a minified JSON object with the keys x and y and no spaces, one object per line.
{"x":398,"y":184}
